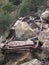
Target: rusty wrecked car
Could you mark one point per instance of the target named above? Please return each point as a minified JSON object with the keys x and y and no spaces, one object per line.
{"x":13,"y":44}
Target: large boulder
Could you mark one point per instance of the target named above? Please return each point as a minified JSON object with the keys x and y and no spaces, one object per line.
{"x":43,"y":35}
{"x":24,"y":31}
{"x":45,"y":16}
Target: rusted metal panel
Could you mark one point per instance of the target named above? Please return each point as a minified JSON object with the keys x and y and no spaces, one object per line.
{"x":18,"y":46}
{"x":20,"y":43}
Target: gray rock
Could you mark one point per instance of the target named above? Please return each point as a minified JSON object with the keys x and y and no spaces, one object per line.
{"x":45,"y":16}
{"x":45,"y":26}
{"x":43,"y":35}
{"x":32,"y":62}
{"x":45,"y":46}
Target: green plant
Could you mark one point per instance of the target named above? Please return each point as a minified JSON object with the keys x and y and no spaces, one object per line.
{"x":5,"y":21}
{"x":9,"y":7}
{"x":29,"y":5}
